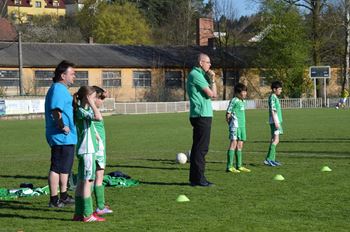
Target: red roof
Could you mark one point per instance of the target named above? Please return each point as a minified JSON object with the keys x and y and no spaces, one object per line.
{"x":24,"y":3}
{"x":7,"y":31}
{"x":50,"y":4}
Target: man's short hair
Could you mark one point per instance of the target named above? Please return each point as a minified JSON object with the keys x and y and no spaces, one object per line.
{"x":201,"y":56}
{"x":61,"y":68}
{"x":240,"y":87}
{"x":276,"y":85}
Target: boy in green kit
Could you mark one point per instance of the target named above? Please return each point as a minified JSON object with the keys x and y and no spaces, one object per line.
{"x":275,"y":119}
{"x":235,"y":117}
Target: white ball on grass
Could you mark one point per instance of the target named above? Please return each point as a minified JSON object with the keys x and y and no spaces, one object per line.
{"x":181,"y":158}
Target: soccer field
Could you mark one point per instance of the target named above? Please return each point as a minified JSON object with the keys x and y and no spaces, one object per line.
{"x":145,"y":146}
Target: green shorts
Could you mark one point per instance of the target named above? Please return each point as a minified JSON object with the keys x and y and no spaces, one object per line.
{"x":237,"y":133}
{"x":86,"y":167}
{"x":275,"y":131}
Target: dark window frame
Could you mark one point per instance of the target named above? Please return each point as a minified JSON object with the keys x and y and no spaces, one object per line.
{"x":43,"y":78}
{"x":143,"y":79}
{"x":173,"y":81}
{"x":111,"y":81}
{"x":81,"y":78}
{"x":9,"y":80}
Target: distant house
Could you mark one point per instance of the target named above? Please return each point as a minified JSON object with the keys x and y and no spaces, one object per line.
{"x":7,"y":31}
{"x":23,"y":10}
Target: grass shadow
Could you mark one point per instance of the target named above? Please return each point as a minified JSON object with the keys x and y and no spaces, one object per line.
{"x":163,"y":183}
{"x":142,"y":167}
{"x":306,"y":140}
{"x":24,"y":177}
{"x":16,"y":205}
{"x":11,"y":216}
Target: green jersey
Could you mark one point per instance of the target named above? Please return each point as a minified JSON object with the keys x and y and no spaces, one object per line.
{"x":274,"y":105}
{"x":236,"y":108}
{"x":87,"y":142}
{"x":200,"y":103}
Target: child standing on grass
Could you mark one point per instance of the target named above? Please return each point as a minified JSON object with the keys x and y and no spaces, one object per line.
{"x":275,"y":119}
{"x":235,"y":117}
{"x":100,"y":157}
{"x":85,"y":112}
{"x":343,"y":97}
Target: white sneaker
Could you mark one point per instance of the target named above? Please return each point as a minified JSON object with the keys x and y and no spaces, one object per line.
{"x":103,"y":211}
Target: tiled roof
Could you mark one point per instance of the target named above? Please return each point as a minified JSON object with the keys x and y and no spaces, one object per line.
{"x":7,"y":31}
{"x":29,"y":3}
{"x":24,"y":3}
{"x":117,"y":56}
{"x":49,"y":3}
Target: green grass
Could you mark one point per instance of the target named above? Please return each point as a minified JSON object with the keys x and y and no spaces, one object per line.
{"x":144,"y":146}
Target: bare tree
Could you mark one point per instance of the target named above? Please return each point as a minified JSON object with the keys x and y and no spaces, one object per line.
{"x":228,"y":36}
{"x":346,"y":5}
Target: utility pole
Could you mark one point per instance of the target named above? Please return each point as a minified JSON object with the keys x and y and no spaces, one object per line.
{"x":20,"y":64}
{"x":345,"y":83}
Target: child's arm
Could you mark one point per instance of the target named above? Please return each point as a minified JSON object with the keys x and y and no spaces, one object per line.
{"x":228,"y":117}
{"x":97,"y":113}
{"x":275,"y":119}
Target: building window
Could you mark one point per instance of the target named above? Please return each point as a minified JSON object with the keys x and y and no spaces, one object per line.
{"x":263,"y":78}
{"x":55,"y":3}
{"x":43,"y":78}
{"x":111,"y":79}
{"x":232,"y":77}
{"x":82,"y":78}
{"x":17,"y":2}
{"x":142,"y":78}
{"x":37,"y":4}
{"x":9,"y":78}
{"x":173,"y":79}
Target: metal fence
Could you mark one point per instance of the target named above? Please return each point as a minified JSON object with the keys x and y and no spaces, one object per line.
{"x":36,"y":106}
{"x":172,"y":107}
{"x":151,"y":107}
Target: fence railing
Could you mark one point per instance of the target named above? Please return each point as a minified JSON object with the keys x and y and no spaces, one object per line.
{"x":36,"y":106}
{"x":171,"y":107}
{"x":151,"y":107}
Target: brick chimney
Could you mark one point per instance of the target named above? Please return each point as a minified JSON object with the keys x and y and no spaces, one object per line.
{"x":205,"y":31}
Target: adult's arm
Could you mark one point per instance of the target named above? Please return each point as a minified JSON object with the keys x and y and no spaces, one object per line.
{"x":57,"y":116}
{"x":211,"y":91}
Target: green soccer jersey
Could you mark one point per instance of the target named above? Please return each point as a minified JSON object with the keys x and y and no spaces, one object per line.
{"x":200,"y":103}
{"x":274,"y":105}
{"x":87,"y":142}
{"x":236,"y":108}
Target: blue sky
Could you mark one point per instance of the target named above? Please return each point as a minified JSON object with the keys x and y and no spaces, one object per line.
{"x":242,"y":7}
{"x":245,"y":7}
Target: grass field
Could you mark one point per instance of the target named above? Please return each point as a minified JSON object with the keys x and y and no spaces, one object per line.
{"x":144,"y":146}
